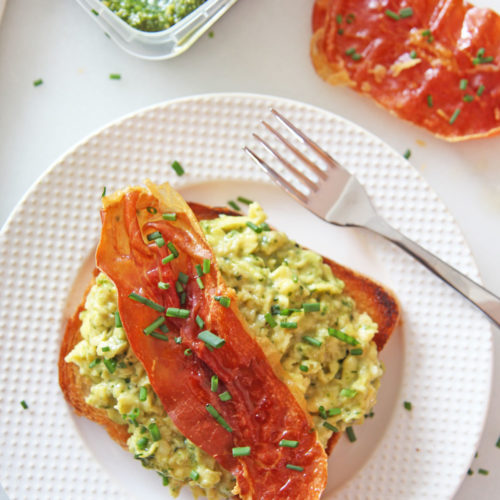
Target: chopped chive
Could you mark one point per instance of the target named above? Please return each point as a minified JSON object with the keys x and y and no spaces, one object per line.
{"x":154,"y":325}
{"x":199,"y":270}
{"x":426,"y":33}
{"x":312,"y":341}
{"x":143,"y":394}
{"x":350,"y":52}
{"x":223,"y":301}
{"x":206,"y":266}
{"x":178,"y":340}
{"x":484,"y":472}
{"x":303,"y":368}
{"x":254,"y":227}
{"x":155,"y":432}
{"x":178,"y":287}
{"x":487,"y":60}
{"x":498,"y":443}
{"x":294,"y":467}
{"x":340,"y":31}
{"x":200,"y":283}
{"x":153,"y":236}
{"x":103,"y":194}
{"x":286,"y":443}
{"x":142,"y":443}
{"x":348,"y":393}
{"x":218,"y":417}
{"x":406,"y":12}
{"x":480,"y":90}
{"x":118,"y":321}
{"x":413,"y":54}
{"x":288,"y":324}
{"x":390,"y":13}
{"x":356,"y":57}
{"x":233,"y":205}
{"x":225,"y":396}
{"x":199,"y":321}
{"x":407,"y":405}
{"x":463,"y":84}
{"x":94,"y":362}
{"x":244,"y":200}
{"x":342,"y":336}
{"x":429,"y":101}
{"x":110,"y":364}
{"x":182,"y":298}
{"x":470,"y":472}
{"x":468,"y":98}
{"x":182,"y":277}
{"x":214,"y":383}
{"x":160,"y":242}
{"x":169,"y":216}
{"x":275,"y":309}
{"x":350,"y":18}
{"x":407,"y":154}
{"x":480,"y":52}
{"x":454,"y":116}
{"x":177,"y":168}
{"x":24,"y":404}
{"x":188,"y":352}
{"x":172,"y":248}
{"x":350,"y":434}
{"x":334,"y":411}
{"x":311,"y":307}
{"x":330,"y":427}
{"x":159,"y":336}
{"x":175,"y":312}
{"x":115,"y":76}
{"x":37,"y":83}
{"x":163,"y":286}
{"x":146,"y":302}
{"x":241,"y":451}
{"x":356,"y":352}
{"x":265,"y":226}
{"x":210,"y":34}
{"x":211,"y":339}
{"x":106,"y":348}
{"x":194,"y":475}
{"x":339,"y":18}
{"x":270,"y":320}
{"x":168,"y":258}
{"x":322,"y":412}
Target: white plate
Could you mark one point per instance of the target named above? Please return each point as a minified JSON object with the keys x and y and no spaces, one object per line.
{"x":440,"y":360}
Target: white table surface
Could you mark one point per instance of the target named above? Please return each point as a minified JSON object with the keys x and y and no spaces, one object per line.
{"x":260,"y":46}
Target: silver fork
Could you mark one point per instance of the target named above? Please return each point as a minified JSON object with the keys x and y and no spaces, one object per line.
{"x":338,"y":197}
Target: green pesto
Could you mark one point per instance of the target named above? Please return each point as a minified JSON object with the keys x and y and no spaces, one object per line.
{"x":152,"y":15}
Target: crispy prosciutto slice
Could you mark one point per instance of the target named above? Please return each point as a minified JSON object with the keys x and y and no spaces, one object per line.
{"x":140,"y":249}
{"x":435,"y":63}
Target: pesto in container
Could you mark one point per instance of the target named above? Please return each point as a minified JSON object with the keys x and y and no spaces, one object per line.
{"x":152,"y":15}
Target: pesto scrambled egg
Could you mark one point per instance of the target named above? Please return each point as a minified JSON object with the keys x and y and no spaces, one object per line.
{"x":326,"y":348}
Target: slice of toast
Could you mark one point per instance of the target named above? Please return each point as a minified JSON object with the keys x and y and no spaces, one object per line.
{"x":370,"y":297}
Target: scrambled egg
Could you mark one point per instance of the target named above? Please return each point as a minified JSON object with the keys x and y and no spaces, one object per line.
{"x":326,"y":348}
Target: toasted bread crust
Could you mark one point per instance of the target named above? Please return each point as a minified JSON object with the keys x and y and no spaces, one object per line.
{"x":370,"y":297}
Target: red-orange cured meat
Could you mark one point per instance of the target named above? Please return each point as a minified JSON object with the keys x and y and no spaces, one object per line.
{"x":434,"y":63}
{"x":262,"y":410}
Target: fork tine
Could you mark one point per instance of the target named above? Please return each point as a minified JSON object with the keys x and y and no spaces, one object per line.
{"x":308,"y":182}
{"x":319,"y":151}
{"x":276,"y":177}
{"x":297,"y":153}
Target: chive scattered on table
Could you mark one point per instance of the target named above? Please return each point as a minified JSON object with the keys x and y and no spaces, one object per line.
{"x":24,"y":404}
{"x":484,"y":472}
{"x":103,"y":194}
{"x":37,"y":83}
{"x":115,"y":76}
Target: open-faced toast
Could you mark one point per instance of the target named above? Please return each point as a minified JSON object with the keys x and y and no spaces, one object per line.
{"x":370,"y":297}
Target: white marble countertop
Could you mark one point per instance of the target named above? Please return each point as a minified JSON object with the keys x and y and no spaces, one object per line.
{"x":259,"y":46}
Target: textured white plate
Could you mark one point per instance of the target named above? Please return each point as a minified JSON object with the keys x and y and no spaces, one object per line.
{"x":440,"y":360}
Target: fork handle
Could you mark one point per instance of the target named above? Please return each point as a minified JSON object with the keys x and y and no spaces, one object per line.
{"x":482,"y":298}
